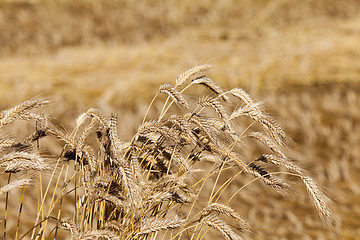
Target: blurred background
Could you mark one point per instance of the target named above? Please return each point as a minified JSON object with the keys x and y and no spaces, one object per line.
{"x":302,"y":58}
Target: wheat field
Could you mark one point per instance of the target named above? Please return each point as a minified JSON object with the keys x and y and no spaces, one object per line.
{"x":281,"y":95}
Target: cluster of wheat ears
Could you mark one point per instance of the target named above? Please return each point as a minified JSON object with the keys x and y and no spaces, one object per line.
{"x":150,"y":186}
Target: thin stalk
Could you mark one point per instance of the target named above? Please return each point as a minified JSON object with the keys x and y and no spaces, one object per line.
{"x":43,"y":200}
{"x":212,"y":195}
{"x":35,"y":226}
{"x":21,"y":205}
{"x":193,"y":204}
{"x":200,"y":230}
{"x":163,"y":109}
{"x":41,"y":197}
{"x":148,"y":109}
{"x":6,"y":206}
{"x":61,"y":201}
{"x":52,"y":200}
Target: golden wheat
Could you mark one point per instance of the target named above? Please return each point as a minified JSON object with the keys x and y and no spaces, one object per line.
{"x":152,"y":183}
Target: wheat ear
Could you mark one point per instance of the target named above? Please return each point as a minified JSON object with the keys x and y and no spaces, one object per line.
{"x":188,"y":74}
{"x":9,"y":115}
{"x":223,"y":209}
{"x":154,"y":225}
{"x":175,"y":95}
{"x":218,"y":224}
{"x":22,"y":182}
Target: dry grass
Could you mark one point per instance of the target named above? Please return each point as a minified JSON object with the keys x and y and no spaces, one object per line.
{"x":142,"y":186}
{"x":301,"y":58}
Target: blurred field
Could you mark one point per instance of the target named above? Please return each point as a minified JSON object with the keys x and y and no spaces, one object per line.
{"x":300,"y":57}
